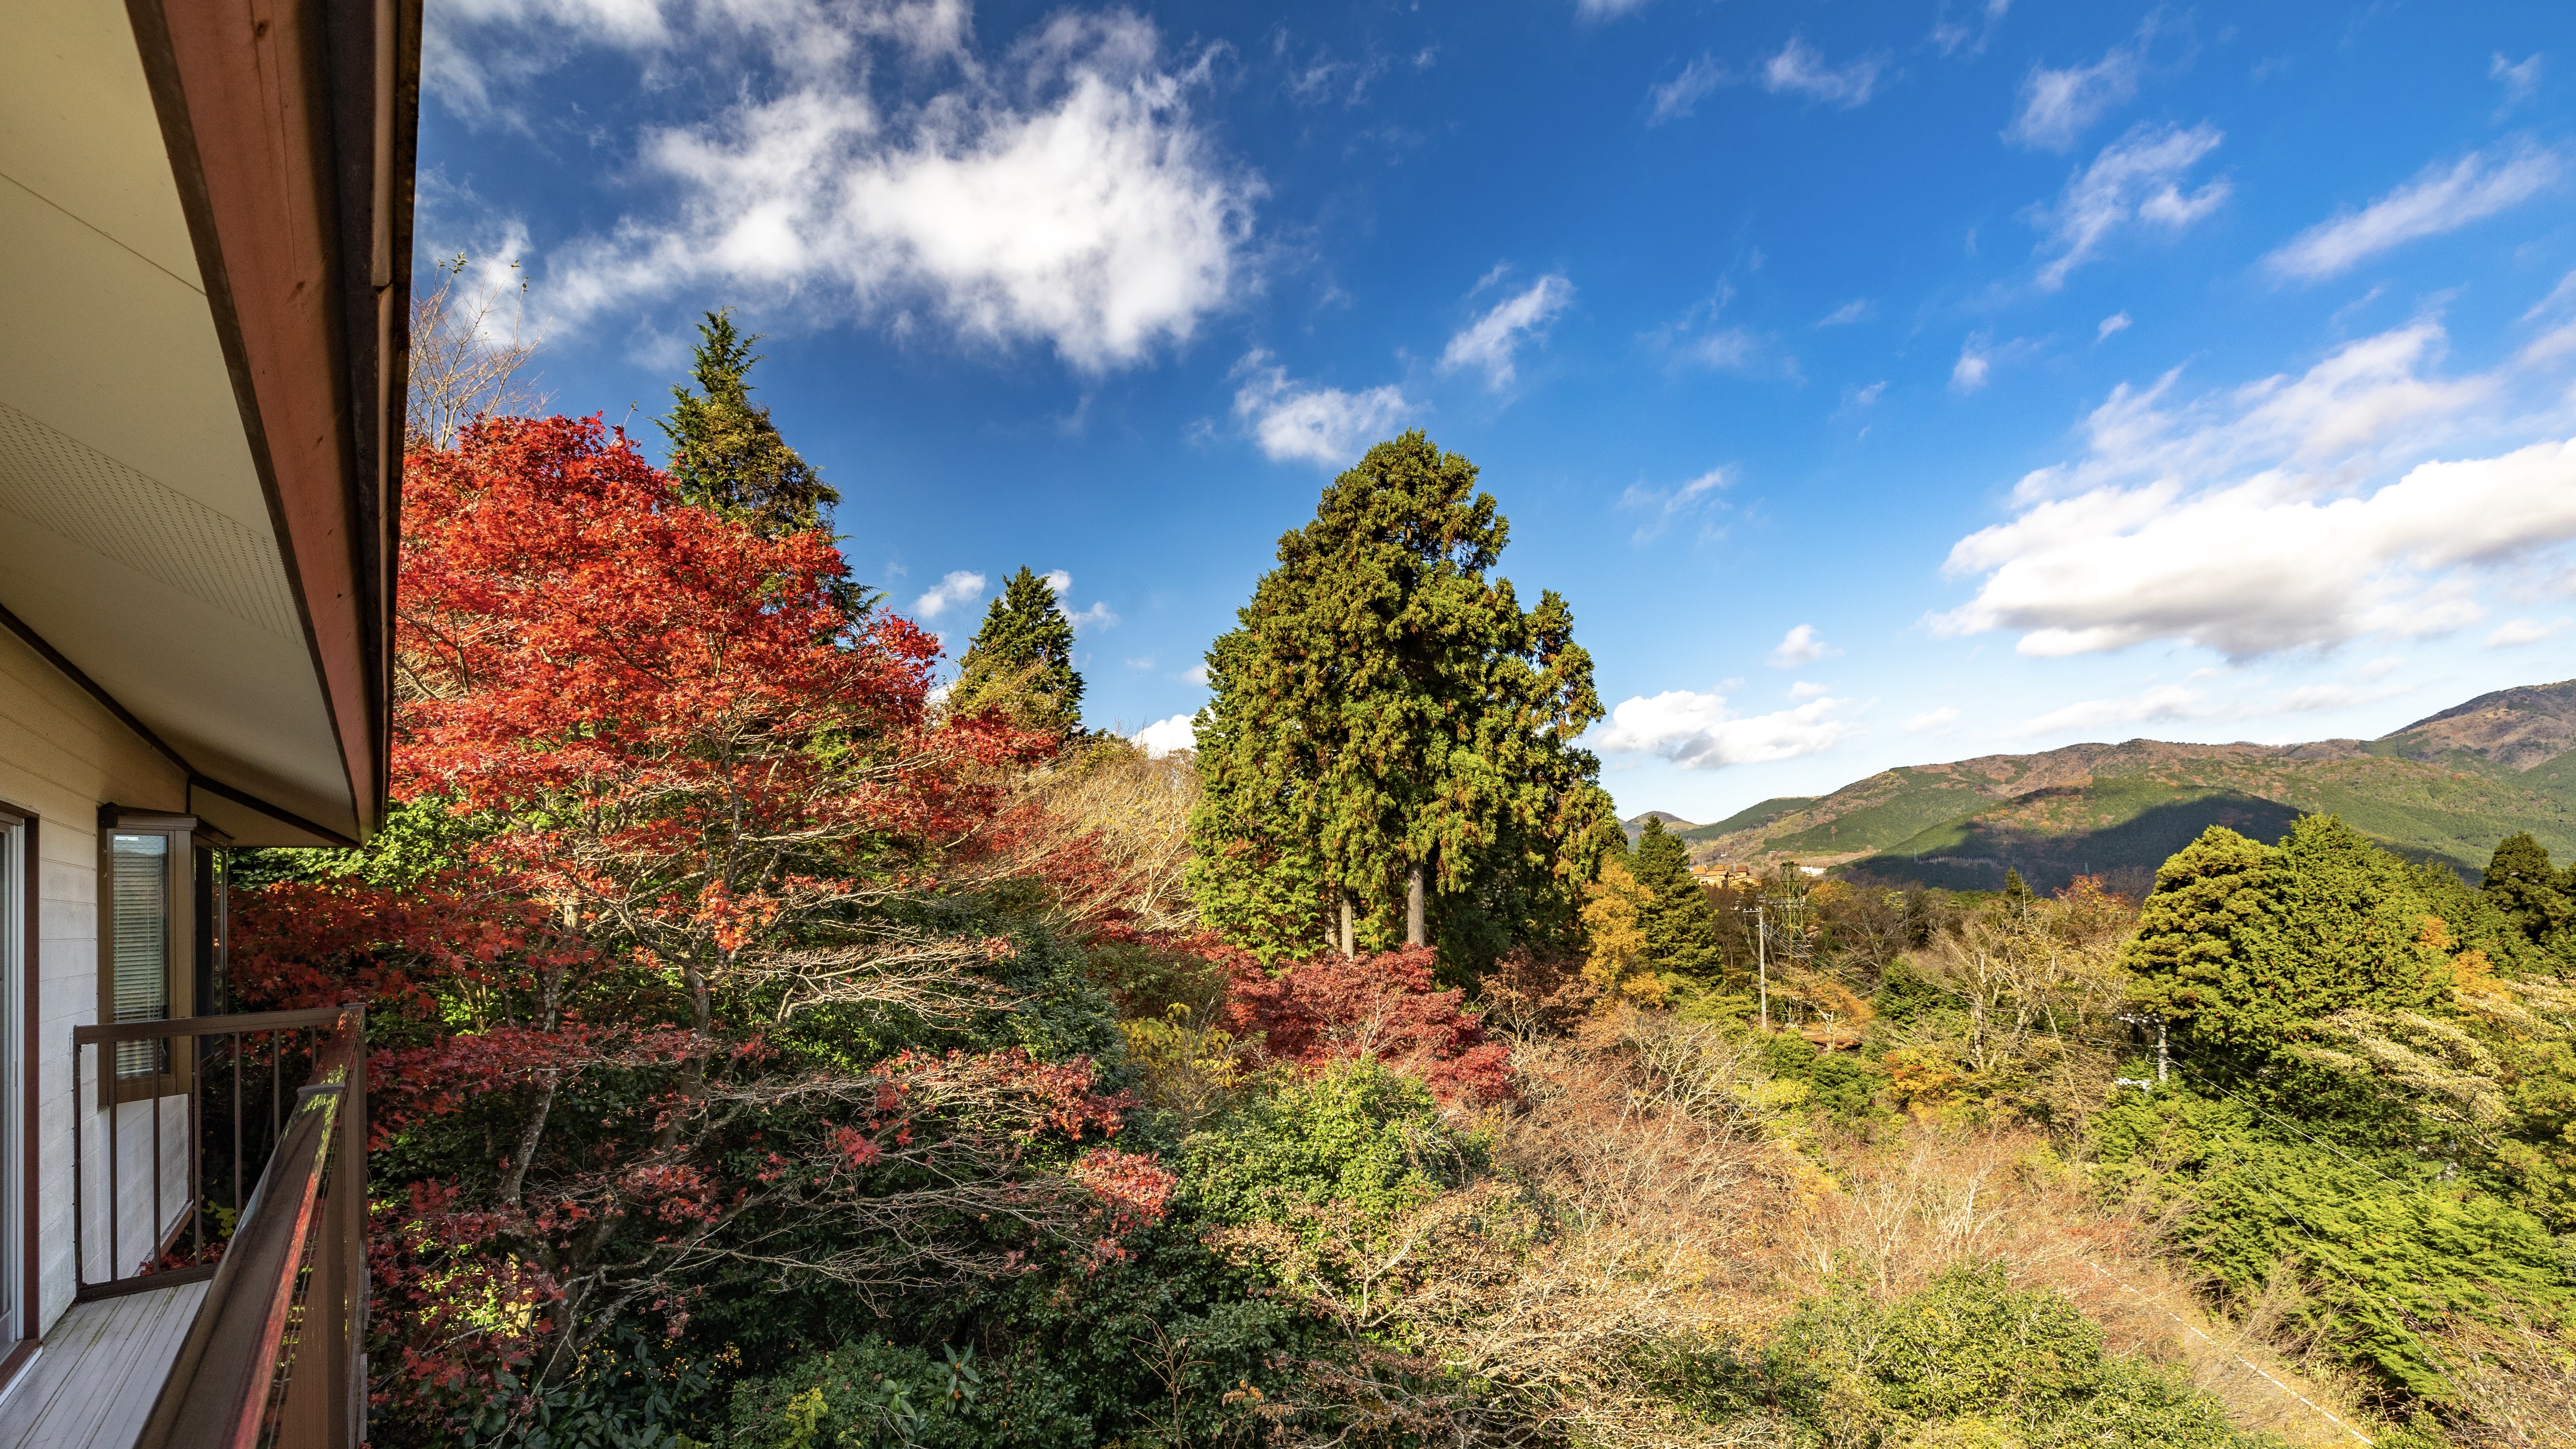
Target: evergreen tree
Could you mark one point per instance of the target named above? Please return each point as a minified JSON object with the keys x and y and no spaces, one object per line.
{"x":2246,"y":943}
{"x":2530,"y":891}
{"x":1390,"y":726}
{"x":1680,"y":929}
{"x":2016,"y":890}
{"x":726,"y":454}
{"x":1021,"y":660}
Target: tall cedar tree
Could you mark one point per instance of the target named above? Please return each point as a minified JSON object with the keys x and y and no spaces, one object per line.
{"x":726,"y":454}
{"x":1681,"y":930}
{"x":1021,"y":660}
{"x":1384,"y":713}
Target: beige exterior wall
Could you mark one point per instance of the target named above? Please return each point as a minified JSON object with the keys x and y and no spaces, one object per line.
{"x":62,"y":755}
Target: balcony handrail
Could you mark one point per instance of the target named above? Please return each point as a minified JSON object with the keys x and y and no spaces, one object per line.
{"x":275,"y":1352}
{"x":194,"y":1026}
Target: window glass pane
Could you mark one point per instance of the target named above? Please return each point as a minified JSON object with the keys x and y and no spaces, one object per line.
{"x":139,"y":878}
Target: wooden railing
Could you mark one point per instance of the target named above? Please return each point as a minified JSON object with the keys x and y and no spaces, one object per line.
{"x":276,"y":1355}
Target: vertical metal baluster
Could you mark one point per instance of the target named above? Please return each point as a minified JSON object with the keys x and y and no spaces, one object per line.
{"x":196,"y":1153}
{"x":152,"y":1243}
{"x":237,"y":1186}
{"x":80,"y":1264}
{"x":115,"y":1200}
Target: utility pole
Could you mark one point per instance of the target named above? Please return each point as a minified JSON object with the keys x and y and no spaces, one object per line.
{"x":1762,"y":963}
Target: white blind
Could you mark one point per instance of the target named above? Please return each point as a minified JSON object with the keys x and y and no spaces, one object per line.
{"x":139,"y":880}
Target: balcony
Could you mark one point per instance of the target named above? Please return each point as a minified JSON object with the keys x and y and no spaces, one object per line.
{"x":225,"y":1317}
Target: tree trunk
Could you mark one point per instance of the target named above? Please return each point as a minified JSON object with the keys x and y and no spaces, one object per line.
{"x":1349,"y":929}
{"x":1413,"y":904}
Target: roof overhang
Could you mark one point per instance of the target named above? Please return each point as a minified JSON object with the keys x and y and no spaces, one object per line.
{"x":201,"y":382}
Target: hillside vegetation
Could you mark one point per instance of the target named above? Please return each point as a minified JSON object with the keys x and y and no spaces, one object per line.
{"x":2445,"y":788}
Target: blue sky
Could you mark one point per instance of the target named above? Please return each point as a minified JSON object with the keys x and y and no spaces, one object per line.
{"x":1880,"y":383}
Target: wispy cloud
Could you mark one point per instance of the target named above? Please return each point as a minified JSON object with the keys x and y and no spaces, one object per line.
{"x":2438,"y":200}
{"x":2057,"y":106}
{"x":1855,"y":310}
{"x":1663,"y":505}
{"x":2524,"y":631}
{"x":2520,"y":78}
{"x":1325,"y":425}
{"x":2137,"y":180}
{"x":2161,"y":704}
{"x":1932,"y":721}
{"x":1676,"y":98}
{"x":1492,"y":342}
{"x":1800,"y":69}
{"x":1801,"y":646}
{"x":2116,"y":322}
{"x":1951,"y":37}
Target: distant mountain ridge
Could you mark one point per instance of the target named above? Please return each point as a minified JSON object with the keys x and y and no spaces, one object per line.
{"x":2447,"y":787}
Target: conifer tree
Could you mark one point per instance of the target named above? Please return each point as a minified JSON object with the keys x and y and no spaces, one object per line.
{"x":2530,"y":891}
{"x":1680,"y":929}
{"x":2248,"y":943}
{"x":1021,"y":660}
{"x":726,"y":454}
{"x":2016,"y":890}
{"x":1392,"y":733}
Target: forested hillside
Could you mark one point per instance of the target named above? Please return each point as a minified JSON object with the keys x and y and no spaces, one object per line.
{"x":2445,"y":788}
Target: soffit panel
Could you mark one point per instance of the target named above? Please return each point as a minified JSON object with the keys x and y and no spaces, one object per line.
{"x":135,"y":536}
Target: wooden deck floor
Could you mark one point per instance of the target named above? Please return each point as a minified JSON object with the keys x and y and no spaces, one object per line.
{"x":101,"y":1367}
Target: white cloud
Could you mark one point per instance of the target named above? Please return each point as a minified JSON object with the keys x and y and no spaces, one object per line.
{"x":1865,"y":397}
{"x":1058,"y":581}
{"x":2251,"y":568}
{"x":1950,"y":37}
{"x":960,"y":587}
{"x":1662,"y":506}
{"x":1324,"y":425}
{"x":1147,"y":662}
{"x":1164,"y":736}
{"x":2059,"y":105}
{"x":1975,"y":364}
{"x":2475,"y":187}
{"x":2137,"y":180}
{"x":1801,"y":68}
{"x":1851,"y":311}
{"x":2164,"y":702}
{"x":1064,"y":197}
{"x":1696,"y":731}
{"x":1932,"y":721}
{"x":2318,"y":698}
{"x":1807,"y":689}
{"x":1196,"y":673}
{"x":1678,"y":97}
{"x":2115,"y":323}
{"x":1801,"y":646}
{"x":2520,"y":80}
{"x":2524,"y":631}
{"x":1607,"y":9}
{"x":1490,"y":342}
{"x":1093,"y":619}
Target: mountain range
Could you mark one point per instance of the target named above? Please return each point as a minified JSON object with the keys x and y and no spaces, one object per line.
{"x":2447,"y":788}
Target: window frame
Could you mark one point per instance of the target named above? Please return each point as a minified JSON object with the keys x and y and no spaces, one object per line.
{"x":178,"y":957}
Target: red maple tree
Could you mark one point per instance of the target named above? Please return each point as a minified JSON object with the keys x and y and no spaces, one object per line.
{"x":707,"y":805}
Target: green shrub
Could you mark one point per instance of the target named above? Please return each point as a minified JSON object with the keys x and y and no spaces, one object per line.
{"x":1968,"y":1361}
{"x":1360,"y":1138}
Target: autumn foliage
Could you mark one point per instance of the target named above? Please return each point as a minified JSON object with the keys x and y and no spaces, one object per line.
{"x":704,"y":833}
